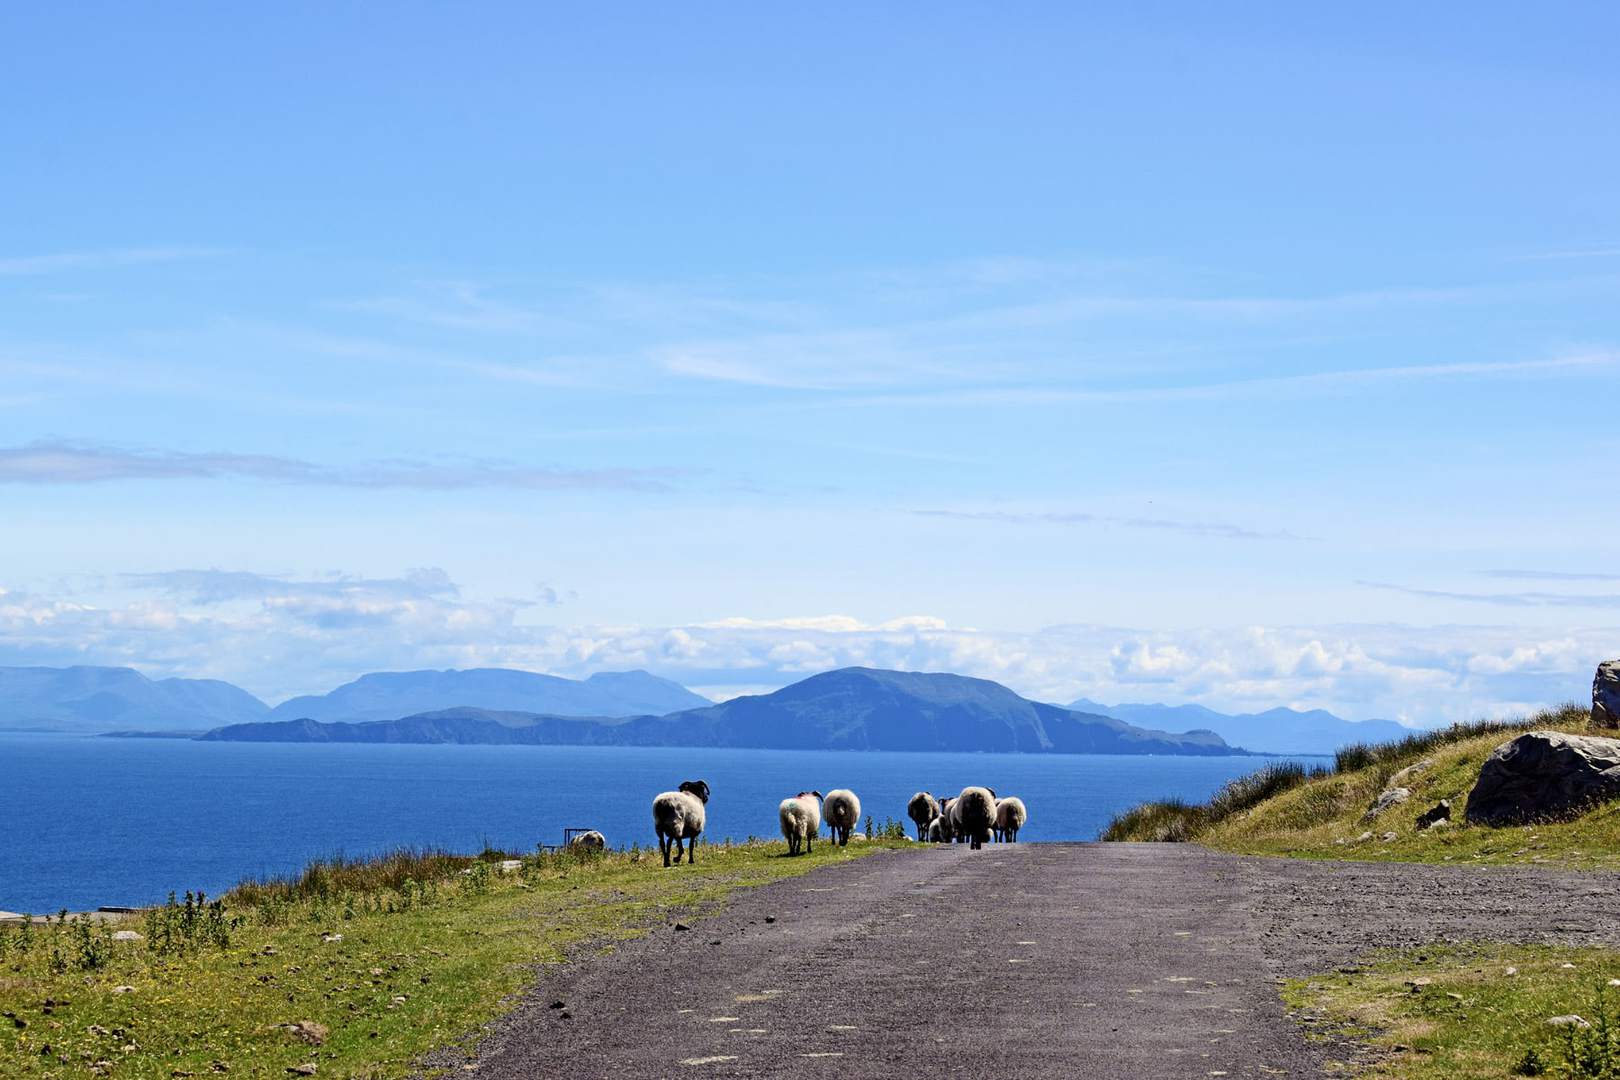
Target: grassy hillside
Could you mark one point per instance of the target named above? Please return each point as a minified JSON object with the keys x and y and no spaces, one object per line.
{"x":352,"y":970}
{"x":1285,"y":810}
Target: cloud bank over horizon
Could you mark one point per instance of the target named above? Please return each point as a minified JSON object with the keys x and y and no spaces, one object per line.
{"x":281,"y":635}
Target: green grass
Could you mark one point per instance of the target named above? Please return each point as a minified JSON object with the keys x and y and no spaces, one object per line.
{"x":1454,"y":1013}
{"x":432,"y":946}
{"x":1319,"y":815}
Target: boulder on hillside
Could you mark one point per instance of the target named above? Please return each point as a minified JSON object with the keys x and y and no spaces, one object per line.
{"x":1543,"y":775}
{"x":1386,"y":799}
{"x":1606,"y":695}
{"x":1439,"y":813}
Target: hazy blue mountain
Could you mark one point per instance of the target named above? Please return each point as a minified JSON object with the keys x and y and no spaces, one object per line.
{"x":389,"y":695}
{"x":1275,"y":731}
{"x":849,"y":709}
{"x":97,"y":698}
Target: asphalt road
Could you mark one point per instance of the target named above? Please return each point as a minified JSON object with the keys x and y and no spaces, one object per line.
{"x":1026,"y":960}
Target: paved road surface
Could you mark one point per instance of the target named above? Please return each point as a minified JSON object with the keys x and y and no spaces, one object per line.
{"x":1023,"y":961}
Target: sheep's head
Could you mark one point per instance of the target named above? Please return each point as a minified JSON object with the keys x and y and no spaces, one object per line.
{"x":698,"y":788}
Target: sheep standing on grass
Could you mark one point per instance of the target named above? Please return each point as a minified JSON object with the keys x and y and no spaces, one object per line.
{"x":677,"y":816}
{"x":922,"y":809}
{"x":587,"y":841}
{"x":801,"y":820}
{"x":843,"y":812}
{"x":1010,"y":817}
{"x":975,"y":813}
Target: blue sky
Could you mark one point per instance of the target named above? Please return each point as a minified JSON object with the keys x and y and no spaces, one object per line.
{"x":1247,"y":356}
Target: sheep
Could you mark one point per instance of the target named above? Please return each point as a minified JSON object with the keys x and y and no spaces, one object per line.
{"x":1010,"y":817}
{"x":975,"y":812}
{"x":678,"y":815}
{"x":801,"y":820}
{"x":945,"y":832}
{"x":587,"y":841}
{"x":935,"y":833}
{"x":843,"y":811}
{"x":922,"y":809}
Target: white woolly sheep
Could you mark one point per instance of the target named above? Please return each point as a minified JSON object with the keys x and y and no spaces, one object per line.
{"x":843,"y":812}
{"x":678,"y":815}
{"x":922,"y":809}
{"x":935,"y":833}
{"x":975,"y":813}
{"x":1010,"y":817}
{"x":587,"y":841}
{"x":801,"y":820}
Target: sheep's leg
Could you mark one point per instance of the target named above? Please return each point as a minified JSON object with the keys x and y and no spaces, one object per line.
{"x":663,"y":846}
{"x":691,"y":852}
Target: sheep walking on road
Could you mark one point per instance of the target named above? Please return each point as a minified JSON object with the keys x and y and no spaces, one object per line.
{"x":843,"y":811}
{"x":1010,"y":817}
{"x":946,"y":832}
{"x":975,"y":814}
{"x":801,"y":820}
{"x":922,"y":809}
{"x":678,"y":815}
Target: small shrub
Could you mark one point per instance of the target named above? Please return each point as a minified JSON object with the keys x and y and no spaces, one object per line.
{"x":1588,"y":1053}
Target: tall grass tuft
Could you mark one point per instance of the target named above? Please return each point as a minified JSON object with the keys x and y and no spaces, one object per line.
{"x":1363,"y":755}
{"x":327,"y":879}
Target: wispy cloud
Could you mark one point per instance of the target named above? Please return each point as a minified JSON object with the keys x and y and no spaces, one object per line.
{"x":1509,"y":599}
{"x":18,"y":266}
{"x":64,"y":462}
{"x":1547,"y":575}
{"x":1218,"y":530}
{"x":216,"y":586}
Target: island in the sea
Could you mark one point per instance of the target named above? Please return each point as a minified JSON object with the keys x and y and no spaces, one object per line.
{"x":847,"y":709}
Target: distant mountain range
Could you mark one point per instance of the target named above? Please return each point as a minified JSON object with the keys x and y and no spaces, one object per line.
{"x":1275,"y":731}
{"x":99,"y":699}
{"x":91,"y":699}
{"x":390,"y":695}
{"x":848,"y":709}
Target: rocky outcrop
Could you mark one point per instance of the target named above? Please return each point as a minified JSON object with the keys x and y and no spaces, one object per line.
{"x":1410,"y":773}
{"x":1544,"y":775}
{"x":1606,"y":695}
{"x":1385,"y":800}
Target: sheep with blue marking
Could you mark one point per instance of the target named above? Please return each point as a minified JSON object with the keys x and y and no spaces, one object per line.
{"x":679,"y":815}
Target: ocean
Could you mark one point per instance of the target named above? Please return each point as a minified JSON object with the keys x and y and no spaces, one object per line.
{"x":86,"y":821}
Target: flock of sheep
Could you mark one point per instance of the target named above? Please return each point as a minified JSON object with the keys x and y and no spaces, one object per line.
{"x":973,"y":817}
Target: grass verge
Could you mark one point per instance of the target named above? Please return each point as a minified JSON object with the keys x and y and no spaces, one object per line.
{"x":1322,"y":814}
{"x":1462,"y":1012}
{"x":355,"y":968}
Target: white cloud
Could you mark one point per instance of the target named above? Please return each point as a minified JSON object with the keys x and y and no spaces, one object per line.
{"x":279,"y":636}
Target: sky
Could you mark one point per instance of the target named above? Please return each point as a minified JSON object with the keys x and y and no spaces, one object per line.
{"x":1241,"y":354}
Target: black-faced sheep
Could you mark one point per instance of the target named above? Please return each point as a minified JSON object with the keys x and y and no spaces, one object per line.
{"x":947,"y":831}
{"x":1010,"y":817}
{"x":677,"y":816}
{"x":587,"y":841}
{"x":922,"y":809}
{"x":843,"y":812}
{"x":801,"y":820}
{"x":975,"y":813}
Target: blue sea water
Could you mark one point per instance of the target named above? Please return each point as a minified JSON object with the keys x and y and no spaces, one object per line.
{"x":86,"y":821}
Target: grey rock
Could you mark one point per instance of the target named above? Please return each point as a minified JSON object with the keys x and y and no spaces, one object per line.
{"x":1606,"y":695}
{"x":1402,"y":778}
{"x":1363,"y":838}
{"x":1390,"y":837}
{"x":126,"y":935}
{"x":1568,"y":1020}
{"x":1439,"y":814}
{"x":1543,"y":775}
{"x":1386,"y":799}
